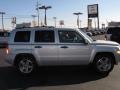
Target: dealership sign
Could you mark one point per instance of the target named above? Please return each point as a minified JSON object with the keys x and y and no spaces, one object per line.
{"x":61,"y":22}
{"x":93,"y":11}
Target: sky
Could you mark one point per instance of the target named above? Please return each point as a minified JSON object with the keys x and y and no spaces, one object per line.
{"x":62,"y":9}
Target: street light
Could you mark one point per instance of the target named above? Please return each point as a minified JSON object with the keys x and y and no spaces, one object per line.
{"x":45,"y":8}
{"x":78,"y":17}
{"x":55,"y":20}
{"x":2,"y":13}
{"x":38,"y":11}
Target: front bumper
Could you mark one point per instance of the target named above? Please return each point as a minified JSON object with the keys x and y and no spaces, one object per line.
{"x":117,"y":57}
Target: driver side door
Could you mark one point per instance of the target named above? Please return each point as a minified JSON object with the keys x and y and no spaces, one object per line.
{"x":72,"y":49}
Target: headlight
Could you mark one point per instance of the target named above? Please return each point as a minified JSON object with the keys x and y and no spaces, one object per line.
{"x":118,"y":52}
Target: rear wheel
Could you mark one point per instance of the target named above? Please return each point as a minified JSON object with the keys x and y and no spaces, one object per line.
{"x":26,"y":65}
{"x":103,"y":63}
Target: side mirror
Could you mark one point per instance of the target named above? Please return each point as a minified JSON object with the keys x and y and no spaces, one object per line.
{"x":85,"y":42}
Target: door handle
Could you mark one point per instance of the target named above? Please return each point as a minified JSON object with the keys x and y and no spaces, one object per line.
{"x":64,"y":46}
{"x":38,"y":47}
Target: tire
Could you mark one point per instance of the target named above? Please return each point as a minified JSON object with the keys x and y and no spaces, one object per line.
{"x":103,"y":64}
{"x":26,"y":65}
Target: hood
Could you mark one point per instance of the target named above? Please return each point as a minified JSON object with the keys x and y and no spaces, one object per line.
{"x":103,"y":42}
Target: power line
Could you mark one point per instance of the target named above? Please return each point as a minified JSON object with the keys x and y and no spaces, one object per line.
{"x":5,"y":18}
{"x":12,"y":16}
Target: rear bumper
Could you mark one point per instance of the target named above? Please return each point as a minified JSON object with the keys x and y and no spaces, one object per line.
{"x":10,"y":59}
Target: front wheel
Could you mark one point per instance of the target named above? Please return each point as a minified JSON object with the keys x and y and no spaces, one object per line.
{"x":103,"y":63}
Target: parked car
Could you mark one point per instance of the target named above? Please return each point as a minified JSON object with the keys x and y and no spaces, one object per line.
{"x":97,"y":32}
{"x":29,"y":48}
{"x":102,"y":31}
{"x":113,"y":34}
{"x":89,"y":33}
{"x":4,"y":38}
{"x":93,"y":32}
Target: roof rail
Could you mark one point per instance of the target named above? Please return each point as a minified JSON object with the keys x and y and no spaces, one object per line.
{"x":48,"y":26}
{"x":21,"y":27}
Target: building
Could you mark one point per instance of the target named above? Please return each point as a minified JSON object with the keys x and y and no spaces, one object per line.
{"x":114,"y":24}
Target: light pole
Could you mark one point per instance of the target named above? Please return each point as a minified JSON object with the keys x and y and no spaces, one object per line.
{"x":95,"y":23}
{"x":38,"y":12}
{"x":55,"y":20}
{"x":78,"y":17}
{"x":2,"y":13}
{"x":45,"y":8}
{"x":80,"y":23}
{"x":34,"y":16}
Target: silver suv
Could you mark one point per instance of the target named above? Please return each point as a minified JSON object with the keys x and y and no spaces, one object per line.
{"x":43,"y":46}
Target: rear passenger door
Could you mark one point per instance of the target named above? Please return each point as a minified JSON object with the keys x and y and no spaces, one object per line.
{"x":45,"y":47}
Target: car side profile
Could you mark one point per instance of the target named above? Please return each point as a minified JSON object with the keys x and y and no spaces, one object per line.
{"x":29,"y":48}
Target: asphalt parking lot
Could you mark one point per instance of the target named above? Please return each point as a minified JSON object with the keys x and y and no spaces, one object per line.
{"x":58,"y":78}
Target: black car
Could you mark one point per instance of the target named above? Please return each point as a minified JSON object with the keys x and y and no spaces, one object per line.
{"x":113,"y":34}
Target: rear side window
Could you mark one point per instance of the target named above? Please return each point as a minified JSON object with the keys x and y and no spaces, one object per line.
{"x":22,"y":36}
{"x":44,"y":36}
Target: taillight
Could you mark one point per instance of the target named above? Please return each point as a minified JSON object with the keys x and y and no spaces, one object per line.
{"x":7,"y":50}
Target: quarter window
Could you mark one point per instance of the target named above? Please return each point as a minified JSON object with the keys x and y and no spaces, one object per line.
{"x":44,"y":36}
{"x":22,"y":36}
{"x":70,"y":37}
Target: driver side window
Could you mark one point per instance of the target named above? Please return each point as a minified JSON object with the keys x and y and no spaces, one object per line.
{"x":70,"y":37}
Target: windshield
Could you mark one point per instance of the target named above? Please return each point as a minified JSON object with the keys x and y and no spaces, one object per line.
{"x":86,"y":36}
